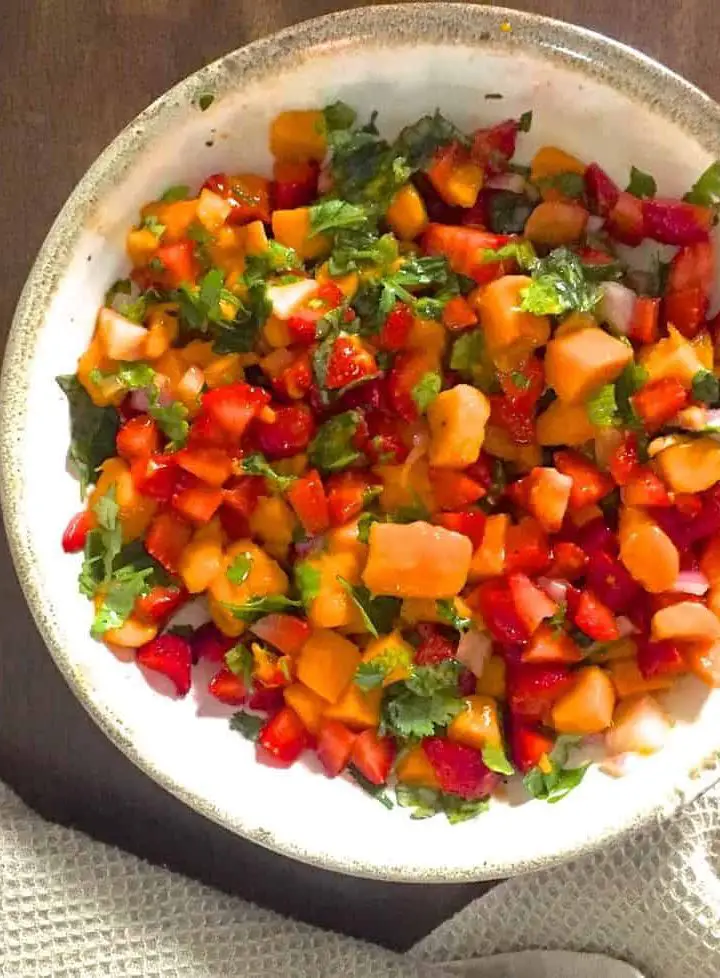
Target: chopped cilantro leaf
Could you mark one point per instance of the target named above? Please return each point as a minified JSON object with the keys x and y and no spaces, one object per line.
{"x":521,"y":252}
{"x":641,"y":184}
{"x":339,"y":115}
{"x":377,"y":791}
{"x":307,"y":581}
{"x":470,"y":358}
{"x":131,"y":375}
{"x":706,"y":189}
{"x":118,"y":600}
{"x":172,"y":420}
{"x":363,"y":527}
{"x":602,"y":409}
{"x":448,"y":612}
{"x":154,"y":226}
{"x":558,"y":619}
{"x":705,"y":387}
{"x":569,"y":184}
{"x":507,"y":212}
{"x":247,"y":724}
{"x":335,"y":215}
{"x":239,"y":571}
{"x":424,"y":703}
{"x":257,"y":464}
{"x":378,"y":613}
{"x":418,"y":143}
{"x":426,"y":802}
{"x":370,"y":675}
{"x":93,"y":430}
{"x":123,"y":286}
{"x":177,"y":192}
{"x":205,"y":100}
{"x":525,"y":122}
{"x":332,"y":447}
{"x":239,"y":661}
{"x":559,"y":286}
{"x":261,"y":605}
{"x":426,"y":390}
{"x":553,"y":787}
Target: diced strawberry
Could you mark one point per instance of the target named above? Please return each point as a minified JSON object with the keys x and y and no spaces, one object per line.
{"x":551,"y":645}
{"x":369,"y":397}
{"x":179,"y":264}
{"x":597,"y":536}
{"x":197,"y":503}
{"x":493,"y":148}
{"x":166,"y":538}
{"x":294,"y":184}
{"x":155,"y":476}
{"x":495,"y":602}
{"x":458,"y":314}
{"x":465,"y":248}
{"x":407,"y":371}
{"x":589,"y":484}
{"x":386,"y":444}
{"x":602,"y":192}
{"x":460,"y":769}
{"x":161,"y":602}
{"x":692,"y":267}
{"x":528,"y":745}
{"x":569,"y":561}
{"x":470,"y":522}
{"x":75,"y":535}
{"x":625,"y":460}
{"x":212,"y":466}
{"x":334,"y":747}
{"x":660,"y":658}
{"x":227,"y":687}
{"x":396,"y":328}
{"x":288,"y":434}
{"x":295,"y":380}
{"x":592,"y":616}
{"x":453,"y":489}
{"x":242,"y":493}
{"x":204,"y":432}
{"x":645,"y":488}
{"x":373,"y":756}
{"x":235,"y":526}
{"x":283,"y":738}
{"x":302,"y":330}
{"x":645,"y":322}
{"x":686,"y":310}
{"x":171,"y":656}
{"x":285,"y":632}
{"x":307,"y":497}
{"x":659,"y":401}
{"x":233,"y":406}
{"x":674,"y":222}
{"x":347,"y":495}
{"x":267,"y":699}
{"x":208,"y":642}
{"x":435,"y":646}
{"x":531,"y":604}
{"x":625,"y":221}
{"x":533,"y":689}
{"x":349,"y":361}
{"x":611,"y":582}
{"x":138,"y":438}
{"x":526,"y":547}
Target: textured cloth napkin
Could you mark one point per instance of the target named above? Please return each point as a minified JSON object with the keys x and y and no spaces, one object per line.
{"x":74,"y":908}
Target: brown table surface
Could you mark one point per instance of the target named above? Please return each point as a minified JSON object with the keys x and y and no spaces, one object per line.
{"x":72,"y":73}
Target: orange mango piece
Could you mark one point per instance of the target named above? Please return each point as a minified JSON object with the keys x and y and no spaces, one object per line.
{"x":691,"y":466}
{"x":392,"y":648}
{"x":549,"y":161}
{"x":202,"y":559}
{"x":580,"y":362}
{"x":647,"y":551}
{"x":307,"y":704}
{"x":686,"y":621}
{"x":489,"y":558}
{"x":503,"y":323}
{"x":327,"y":664}
{"x":588,"y":707}
{"x":564,"y":424}
{"x":406,"y":214}
{"x":457,"y":419}
{"x":629,"y":681}
{"x":292,"y":229}
{"x":356,"y":708}
{"x":416,"y":560}
{"x":297,"y":135}
{"x":703,"y":659}
{"x":478,"y":725}
{"x":556,"y":222}
{"x":550,"y":644}
{"x":415,"y":769}
{"x":492,"y":681}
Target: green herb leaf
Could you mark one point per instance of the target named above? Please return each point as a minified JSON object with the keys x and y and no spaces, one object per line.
{"x":427,"y":802}
{"x":175,"y":193}
{"x":365,"y":521}
{"x":424,"y":703}
{"x":181,"y":631}
{"x":448,"y":612}
{"x":123,"y":286}
{"x":339,"y":115}
{"x":525,"y":122}
{"x":418,"y":143}
{"x":332,"y":450}
{"x":706,"y":189}
{"x":239,"y":661}
{"x":247,"y":724}
{"x":257,"y":464}
{"x":205,"y":100}
{"x":260,"y":605}
{"x":508,"y":212}
{"x":154,"y":226}
{"x":558,"y":619}
{"x":553,"y":787}
{"x":93,"y":431}
{"x":705,"y":387}
{"x":239,"y":571}
{"x":602,"y":409}
{"x":521,"y":252}
{"x":307,"y":581}
{"x":569,"y":184}
{"x":559,"y":286}
{"x":377,"y":791}
{"x":426,"y":390}
{"x":131,"y":375}
{"x":495,"y":758}
{"x":378,"y":613}
{"x":125,"y":586}
{"x":370,"y":675}
{"x":459,"y":809}
{"x":172,"y":420}
{"x":641,"y":184}
{"x":333,"y":215}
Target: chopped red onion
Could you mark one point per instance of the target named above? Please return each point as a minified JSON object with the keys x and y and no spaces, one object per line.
{"x":474,"y":649}
{"x":617,"y":306}
{"x":691,"y":582}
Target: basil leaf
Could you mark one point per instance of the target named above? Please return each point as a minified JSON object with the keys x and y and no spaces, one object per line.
{"x":93,"y":431}
{"x":641,"y":184}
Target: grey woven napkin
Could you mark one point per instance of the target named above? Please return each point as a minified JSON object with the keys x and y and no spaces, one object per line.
{"x":71,"y":907}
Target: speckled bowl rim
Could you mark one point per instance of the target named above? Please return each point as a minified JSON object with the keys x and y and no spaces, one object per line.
{"x":591,"y":54}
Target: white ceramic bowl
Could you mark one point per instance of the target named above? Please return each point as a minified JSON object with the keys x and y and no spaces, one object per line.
{"x":589,"y":95}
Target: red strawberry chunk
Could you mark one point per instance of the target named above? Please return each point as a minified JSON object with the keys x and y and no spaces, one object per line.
{"x":161,"y":602}
{"x":283,"y":738}
{"x":373,"y":756}
{"x":659,"y":658}
{"x":496,"y":604}
{"x":349,"y":361}
{"x":233,"y":406}
{"x":527,"y":745}
{"x":471,"y":523}
{"x":208,"y":642}
{"x":533,"y":689}
{"x":592,"y":616}
{"x":75,"y":535}
{"x":171,"y":656}
{"x":396,"y":328}
{"x":674,"y":222}
{"x":435,"y":646}
{"x":288,"y":434}
{"x":460,"y":769}
{"x":611,"y":582}
{"x":602,"y":192}
{"x":267,"y":699}
{"x":334,"y":746}
{"x":228,"y":688}
{"x":531,"y":604}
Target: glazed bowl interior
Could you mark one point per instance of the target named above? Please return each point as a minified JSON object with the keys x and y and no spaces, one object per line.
{"x":589,"y":96}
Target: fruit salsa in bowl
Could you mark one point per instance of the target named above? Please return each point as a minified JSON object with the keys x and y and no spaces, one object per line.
{"x":398,"y":459}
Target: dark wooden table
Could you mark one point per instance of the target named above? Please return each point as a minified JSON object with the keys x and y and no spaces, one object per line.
{"x":72,"y":73}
